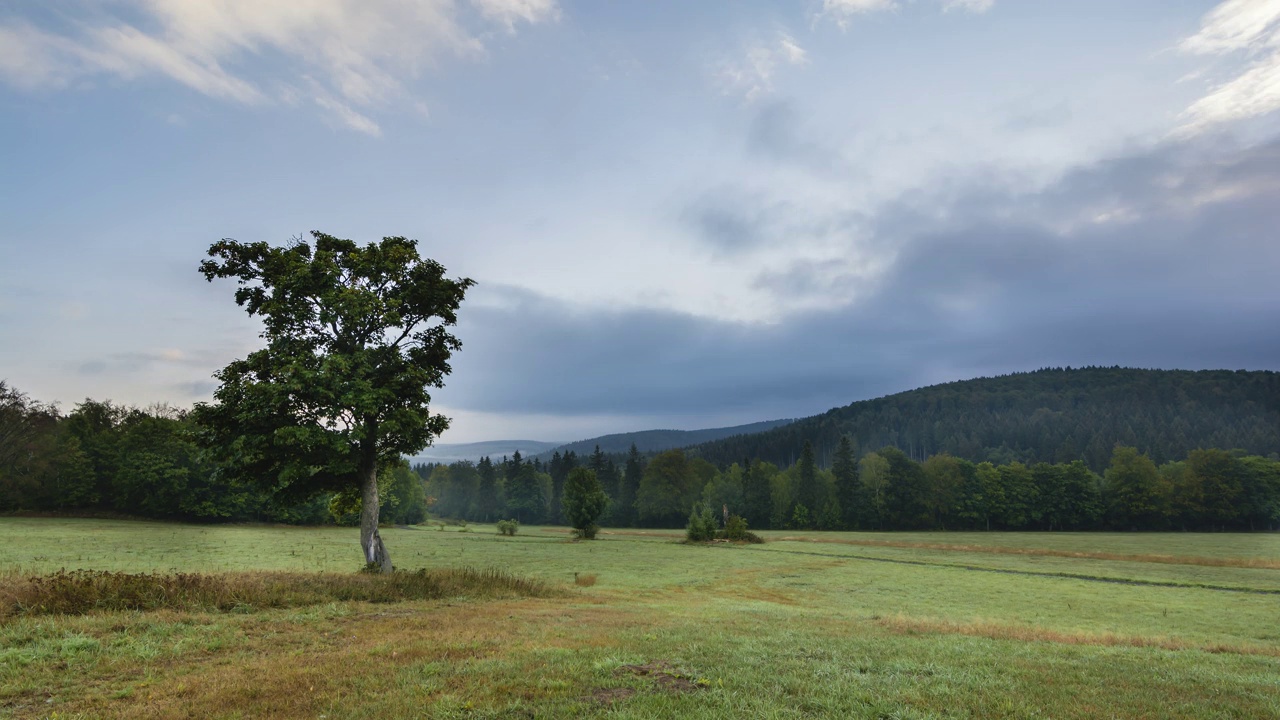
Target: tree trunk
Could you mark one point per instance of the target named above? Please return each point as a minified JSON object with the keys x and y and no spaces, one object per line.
{"x":375,"y":553}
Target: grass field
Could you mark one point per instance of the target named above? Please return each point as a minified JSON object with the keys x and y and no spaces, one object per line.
{"x":893,"y":625}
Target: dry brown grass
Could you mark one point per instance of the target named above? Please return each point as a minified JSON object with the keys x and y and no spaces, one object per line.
{"x":83,"y":591}
{"x":305,"y":669}
{"x":584,"y":579}
{"x":1258,"y":563}
{"x":1024,"y":633}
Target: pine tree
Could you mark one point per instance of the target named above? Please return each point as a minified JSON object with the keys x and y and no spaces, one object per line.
{"x":626,"y":499}
{"x":807,"y":490}
{"x":488,"y":504}
{"x":756,"y":494}
{"x":849,"y":491}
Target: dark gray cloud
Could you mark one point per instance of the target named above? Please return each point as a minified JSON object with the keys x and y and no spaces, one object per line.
{"x":1165,"y":258}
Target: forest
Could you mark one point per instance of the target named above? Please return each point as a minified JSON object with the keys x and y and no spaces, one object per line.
{"x":1092,"y":448}
{"x":1054,"y":415}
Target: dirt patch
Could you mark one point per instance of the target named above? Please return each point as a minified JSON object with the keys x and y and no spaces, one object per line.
{"x":664,"y":675}
{"x":609,"y":696}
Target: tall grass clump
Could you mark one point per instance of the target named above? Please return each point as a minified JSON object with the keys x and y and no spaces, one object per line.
{"x":78,"y":592}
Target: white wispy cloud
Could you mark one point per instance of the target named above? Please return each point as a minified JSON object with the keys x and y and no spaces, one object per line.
{"x":752,"y":75}
{"x":842,"y":12}
{"x":1250,"y":31}
{"x":509,"y":12}
{"x":972,"y":6}
{"x":352,"y":56}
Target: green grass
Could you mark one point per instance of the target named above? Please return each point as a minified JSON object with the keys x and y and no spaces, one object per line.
{"x":789,"y":629}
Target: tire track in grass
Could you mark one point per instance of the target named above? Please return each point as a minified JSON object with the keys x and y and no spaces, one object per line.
{"x":1033,"y":573}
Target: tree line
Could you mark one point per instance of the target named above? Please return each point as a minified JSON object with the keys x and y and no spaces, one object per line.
{"x":145,"y":462}
{"x":105,"y":458}
{"x":882,"y":490}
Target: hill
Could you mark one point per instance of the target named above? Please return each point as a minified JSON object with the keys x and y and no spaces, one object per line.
{"x":1050,"y":415}
{"x":659,"y":440}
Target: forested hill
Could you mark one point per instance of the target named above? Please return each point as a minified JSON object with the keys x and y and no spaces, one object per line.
{"x":1051,"y":415}
{"x":659,"y":440}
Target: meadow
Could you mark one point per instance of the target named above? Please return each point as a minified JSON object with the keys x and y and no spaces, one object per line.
{"x":637,"y":625}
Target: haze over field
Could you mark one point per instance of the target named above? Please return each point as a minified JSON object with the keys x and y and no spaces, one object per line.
{"x":680,"y":214}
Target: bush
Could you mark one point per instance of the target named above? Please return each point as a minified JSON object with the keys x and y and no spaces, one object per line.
{"x":508,"y":527}
{"x":702,"y":528}
{"x":735,"y":530}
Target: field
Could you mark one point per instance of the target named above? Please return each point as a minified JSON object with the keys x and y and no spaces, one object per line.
{"x":894,"y":625}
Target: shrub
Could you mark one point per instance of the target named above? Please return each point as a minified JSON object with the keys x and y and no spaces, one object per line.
{"x":508,"y":527}
{"x":702,"y":528}
{"x":735,"y":530}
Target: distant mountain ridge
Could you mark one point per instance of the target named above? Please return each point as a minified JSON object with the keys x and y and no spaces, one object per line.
{"x":658,"y":440}
{"x":453,"y":452}
{"x":1048,"y":415}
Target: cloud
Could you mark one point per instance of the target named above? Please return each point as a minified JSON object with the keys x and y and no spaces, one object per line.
{"x":778,"y":134}
{"x":350,"y":56}
{"x":508,"y":12}
{"x":1161,"y":258}
{"x":842,"y":12}
{"x":972,"y":6}
{"x":752,"y":75}
{"x":1247,"y":29}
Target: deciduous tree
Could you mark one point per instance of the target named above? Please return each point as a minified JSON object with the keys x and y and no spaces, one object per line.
{"x":356,"y":338}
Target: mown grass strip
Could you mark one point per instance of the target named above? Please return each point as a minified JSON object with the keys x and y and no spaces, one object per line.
{"x":1022,"y":633}
{"x":1256,"y":563}
{"x":83,"y":591}
{"x":1036,"y":573}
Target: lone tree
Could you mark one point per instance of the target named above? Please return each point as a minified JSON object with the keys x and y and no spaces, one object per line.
{"x":584,"y":501}
{"x":356,"y":336}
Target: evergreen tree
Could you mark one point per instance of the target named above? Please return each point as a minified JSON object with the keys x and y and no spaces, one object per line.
{"x":756,"y":495}
{"x":630,"y":485}
{"x":907,"y":494}
{"x":850,"y":493}
{"x":806,"y":488}
{"x":487,"y":505}
{"x":525,"y":498}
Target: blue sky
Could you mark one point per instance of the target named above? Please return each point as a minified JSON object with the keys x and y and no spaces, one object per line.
{"x":679,"y":214}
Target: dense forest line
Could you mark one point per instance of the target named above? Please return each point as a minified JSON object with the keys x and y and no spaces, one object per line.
{"x":1049,"y":415}
{"x":105,"y":458}
{"x":882,"y":490}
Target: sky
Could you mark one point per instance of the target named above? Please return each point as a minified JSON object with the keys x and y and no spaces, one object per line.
{"x":678,"y":214}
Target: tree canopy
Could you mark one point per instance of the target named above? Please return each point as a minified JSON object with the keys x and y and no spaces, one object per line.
{"x":357,"y":336}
